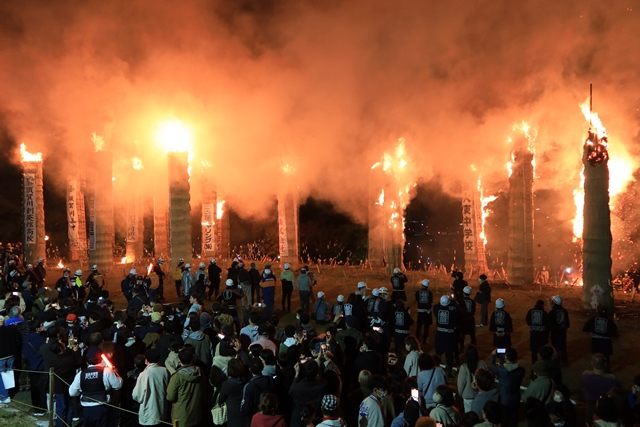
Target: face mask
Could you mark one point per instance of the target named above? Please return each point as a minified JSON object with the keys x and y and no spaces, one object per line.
{"x":558,"y":397}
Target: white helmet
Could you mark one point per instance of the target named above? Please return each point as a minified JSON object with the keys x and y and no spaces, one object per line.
{"x":397,"y":271}
{"x":467,"y":290}
{"x":267,"y":271}
{"x":425,"y":283}
{"x":383,"y":291}
{"x":557,"y":299}
{"x":499,"y":303}
{"x":229,"y":282}
{"x":187,"y":266}
{"x":212,"y":261}
{"x":201,"y":265}
{"x":320,"y":294}
{"x":375,"y":292}
{"x":78,"y":273}
{"x":29,"y":266}
{"x":180,"y":259}
{"x":362,"y":285}
{"x":94,"y":267}
{"x":444,"y":300}
{"x":286,"y":266}
{"x":340,"y":298}
{"x":133,"y":272}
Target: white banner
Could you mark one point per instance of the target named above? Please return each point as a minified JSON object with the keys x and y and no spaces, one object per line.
{"x":468,"y":232}
{"x":29,"y":185}
{"x":283,"y":243}
{"x":73,"y":214}
{"x":208,"y":228}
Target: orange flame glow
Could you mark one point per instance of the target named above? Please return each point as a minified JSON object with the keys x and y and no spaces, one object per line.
{"x":220,"y":209}
{"x":123,"y":260}
{"x":136,"y":164}
{"x":28,"y":157}
{"x":60,"y":265}
{"x":484,"y":210}
{"x":149,"y":268}
{"x":98,"y":142}
{"x":174,"y":136}
{"x":288,"y":169}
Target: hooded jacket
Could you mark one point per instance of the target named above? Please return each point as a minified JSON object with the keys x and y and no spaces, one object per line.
{"x":202,"y":346}
{"x":149,"y":392}
{"x":185,"y":394}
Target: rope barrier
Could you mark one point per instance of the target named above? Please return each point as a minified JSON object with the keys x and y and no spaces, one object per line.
{"x":41,"y":409}
{"x":86,"y":397}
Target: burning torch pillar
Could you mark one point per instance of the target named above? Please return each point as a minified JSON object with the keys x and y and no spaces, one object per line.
{"x":474,"y":254}
{"x":288,"y":227}
{"x":76,"y":222}
{"x":520,"y":269}
{"x":100,"y":206}
{"x":596,"y":236}
{"x":33,"y":207}
{"x":179,"y":208}
{"x":222,"y":229}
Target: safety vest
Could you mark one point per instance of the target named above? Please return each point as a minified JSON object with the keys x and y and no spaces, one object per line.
{"x":92,"y":385}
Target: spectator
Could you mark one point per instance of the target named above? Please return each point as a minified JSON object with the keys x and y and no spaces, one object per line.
{"x":465,"y":376}
{"x":268,"y":416}
{"x":430,"y":378}
{"x":185,"y":391}
{"x":307,"y":389}
{"x":444,"y":412}
{"x":370,"y":413}
{"x":509,"y":375}
{"x":330,"y":414}
{"x":9,"y":351}
{"x":150,"y":390}
{"x":258,"y":384}
{"x":597,"y":382}
{"x":492,"y":415}
{"x":485,"y":381}
{"x":412,"y":346}
{"x":231,"y":392}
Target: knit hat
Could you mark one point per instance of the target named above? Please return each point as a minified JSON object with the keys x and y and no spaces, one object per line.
{"x":499,"y":303}
{"x":329,"y":403}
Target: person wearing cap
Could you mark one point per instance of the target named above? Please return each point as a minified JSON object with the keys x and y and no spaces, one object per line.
{"x":229,"y":298}
{"x":187,"y":281}
{"x":321,"y":309}
{"x":467,"y":313}
{"x":402,"y":322}
{"x":398,"y":281}
{"x":501,"y":325}
{"x":78,"y":287}
{"x":329,"y":405}
{"x":356,"y":308}
{"x":446,"y":318}
{"x":424,"y":301}
{"x":93,"y":384}
{"x":213,"y":271}
{"x":558,"y":325}
{"x":483,"y":297}
{"x":177,"y":277}
{"x":287,"y":278}
{"x":538,"y":322}
{"x":376,"y":308}
{"x":268,"y":290}
{"x":128,"y":284}
{"x":339,"y":312}
{"x":304,"y":286}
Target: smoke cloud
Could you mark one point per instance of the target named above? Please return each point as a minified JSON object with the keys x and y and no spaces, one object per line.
{"x":324,"y":86}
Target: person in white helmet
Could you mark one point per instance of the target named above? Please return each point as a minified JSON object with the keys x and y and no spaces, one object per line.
{"x":200,"y":280}
{"x":424,"y":301}
{"x":305,"y":287}
{"x":214,"y":272}
{"x":95,"y":283}
{"x":128,"y":284}
{"x":268,"y":289}
{"x":538,"y":322}
{"x":64,"y":285}
{"x":558,"y":325}
{"x":321,"y":309}
{"x":356,"y":311}
{"x":230,"y":298}
{"x":376,"y":308}
{"x":398,"y":281}
{"x":501,"y":325}
{"x":467,"y":320}
{"x":339,"y":312}
{"x":287,"y":278}
{"x":79,"y":292}
{"x":445,"y":314}
{"x":187,"y":282}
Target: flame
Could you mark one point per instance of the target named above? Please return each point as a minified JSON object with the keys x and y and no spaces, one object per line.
{"x":136,"y":164}
{"x":621,"y":167}
{"x":28,"y":157}
{"x":220,"y":209}
{"x":46,"y":238}
{"x":174,"y":136}
{"x":149,"y":268}
{"x":395,"y":167}
{"x":123,"y":260}
{"x":485,"y":212}
{"x":288,"y":169}
{"x":60,"y":265}
{"x":98,"y":142}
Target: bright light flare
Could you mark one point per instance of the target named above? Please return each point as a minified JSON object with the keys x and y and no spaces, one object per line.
{"x":136,"y":164}
{"x":484,"y":210}
{"x":288,"y":169}
{"x":28,"y":157}
{"x":174,"y":136}
{"x":123,"y":260}
{"x":220,"y":209}
{"x":98,"y":142}
{"x":149,"y":268}
{"x":60,"y":265}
